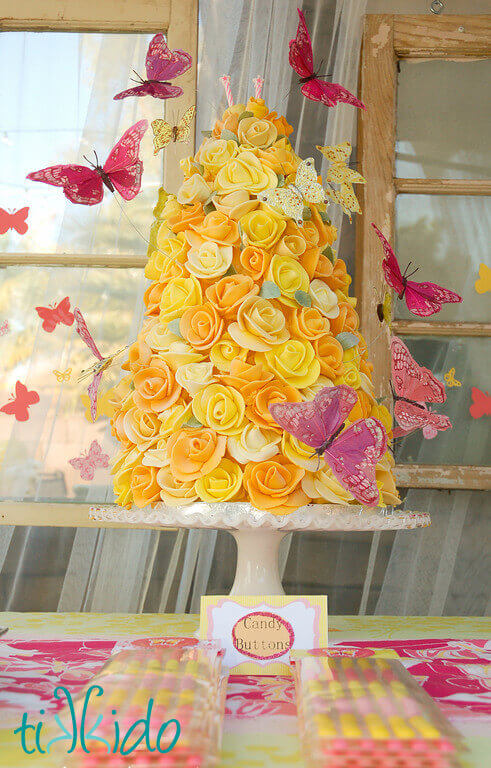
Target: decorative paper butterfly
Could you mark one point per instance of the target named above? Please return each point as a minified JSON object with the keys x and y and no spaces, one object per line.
{"x":19,"y":403}
{"x":301,"y":60}
{"x":63,"y":375}
{"x":413,"y":387}
{"x":340,"y":173}
{"x":164,"y":133}
{"x":161,"y":65}
{"x":483,"y":283}
{"x":291,"y":199}
{"x":4,"y":328}
{"x":122,"y":171}
{"x":481,"y":403}
{"x":422,"y":299}
{"x":450,"y":379}
{"x":14,"y":220}
{"x":55,"y":315}
{"x":88,"y":462}
{"x":99,"y":367}
{"x":351,"y":454}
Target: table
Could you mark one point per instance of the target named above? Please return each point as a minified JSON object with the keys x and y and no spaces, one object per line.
{"x":450,"y":656}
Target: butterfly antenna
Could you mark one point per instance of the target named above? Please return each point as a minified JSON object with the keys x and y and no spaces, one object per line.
{"x":412,"y":273}
{"x":96,"y":158}
{"x":407,"y":267}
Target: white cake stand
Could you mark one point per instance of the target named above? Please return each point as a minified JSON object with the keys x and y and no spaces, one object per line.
{"x":258,"y":534}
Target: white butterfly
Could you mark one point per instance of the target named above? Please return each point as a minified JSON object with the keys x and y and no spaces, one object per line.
{"x":291,"y":200}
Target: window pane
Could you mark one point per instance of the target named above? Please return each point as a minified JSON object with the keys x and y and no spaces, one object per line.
{"x":447,"y":237}
{"x":442,"y":114}
{"x":57,"y":105}
{"x":34,"y":454}
{"x":469,"y":441}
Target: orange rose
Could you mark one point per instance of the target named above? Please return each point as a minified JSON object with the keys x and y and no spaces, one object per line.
{"x":347,"y":320}
{"x":254,"y":261}
{"x":229,"y":121}
{"x":194,"y":452}
{"x":139,"y":355}
{"x":155,"y":386}
{"x":144,"y":485}
{"x":325,"y":230}
{"x":279,"y":121}
{"x":152,"y":297}
{"x":227,"y":294}
{"x":186,"y":216}
{"x":276,"y":391}
{"x":201,"y":326}
{"x":308,"y":323}
{"x":246,"y":378}
{"x":279,"y":157}
{"x":329,"y":352}
{"x":217,"y":227}
{"x":338,"y":279}
{"x":275,"y":485}
{"x":363,"y":406}
{"x":323,"y":268}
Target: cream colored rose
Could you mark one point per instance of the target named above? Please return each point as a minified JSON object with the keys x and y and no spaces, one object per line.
{"x":323,"y":298}
{"x":310,"y":392}
{"x":256,"y":133}
{"x":158,"y":337}
{"x":215,"y":153}
{"x":253,"y":444}
{"x":181,"y":353}
{"x":298,"y":453}
{"x":235,"y":204}
{"x":193,"y":190}
{"x":245,"y":171}
{"x":260,"y":326}
{"x":193,"y":376}
{"x":209,"y":260}
{"x":173,"y":492}
{"x":324,"y":485}
{"x":157,"y":456}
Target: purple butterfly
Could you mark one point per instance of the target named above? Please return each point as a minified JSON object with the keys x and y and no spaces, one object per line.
{"x":162,"y":65}
{"x":351,"y":454}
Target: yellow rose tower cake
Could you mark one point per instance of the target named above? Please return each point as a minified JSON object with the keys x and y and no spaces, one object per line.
{"x":248,"y":306}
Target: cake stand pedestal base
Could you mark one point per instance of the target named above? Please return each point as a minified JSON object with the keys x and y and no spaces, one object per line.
{"x":257,"y":570}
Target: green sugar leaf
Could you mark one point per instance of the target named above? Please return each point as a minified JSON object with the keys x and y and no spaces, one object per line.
{"x":347,"y":340}
{"x":281,"y":180}
{"x":245,"y":114}
{"x":193,"y":423}
{"x":269,"y":290}
{"x":230,"y":271}
{"x":307,"y":214}
{"x":173,"y":327}
{"x":208,"y":206}
{"x":303,"y":298}
{"x":206,"y":134}
{"x":325,"y":218}
{"x":228,"y":135}
{"x":329,"y":253}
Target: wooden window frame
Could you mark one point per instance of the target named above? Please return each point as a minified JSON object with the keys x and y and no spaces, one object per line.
{"x":178,"y":19}
{"x":386,"y":40}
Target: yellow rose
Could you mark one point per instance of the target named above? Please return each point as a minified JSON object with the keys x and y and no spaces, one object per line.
{"x":194,"y":189}
{"x":181,"y":353}
{"x":323,"y":298}
{"x":294,"y":362}
{"x":178,"y":295}
{"x":173,"y":418}
{"x":235,"y":204}
{"x":156,"y":456}
{"x":194,"y":376}
{"x":291,"y":245}
{"x":221,"y":484}
{"x":253,"y":444}
{"x":289,"y":276}
{"x":224,"y":351}
{"x":141,"y":427}
{"x":256,"y":133}
{"x":385,"y":480}
{"x":308,"y":393}
{"x":257,"y":107}
{"x":171,"y":251}
{"x":173,"y":492}
{"x":244,"y":171}
{"x":298,"y":453}
{"x":121,"y":467}
{"x":262,"y":228}
{"x":381,"y":413}
{"x":260,"y":325}
{"x":351,"y":376}
{"x":189,"y":166}
{"x":209,"y":260}
{"x":215,"y":153}
{"x":323,"y":485}
{"x":220,"y":408}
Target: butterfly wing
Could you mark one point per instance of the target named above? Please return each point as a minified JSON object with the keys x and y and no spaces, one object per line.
{"x":483,"y":283}
{"x":19,"y":406}
{"x":19,"y":222}
{"x":123,"y":165}
{"x":329,"y":94}
{"x":336,"y":153}
{"x":424,"y":299}
{"x":63,"y":312}
{"x":5,"y":218}
{"x":287,"y":200}
{"x":390,"y":265}
{"x":84,"y":466}
{"x":412,"y":380}
{"x":92,"y":390}
{"x":97,"y":457}
{"x":48,"y":316}
{"x":481,"y":403}
{"x":81,"y":185}
{"x":335,"y":404}
{"x":85,"y":334}
{"x":353,"y":457}
{"x":300,"y":53}
{"x":306,"y":182}
{"x":162,"y":134}
{"x":183,"y":126}
{"x":155,"y":89}
{"x":411,"y":416}
{"x":163,"y":64}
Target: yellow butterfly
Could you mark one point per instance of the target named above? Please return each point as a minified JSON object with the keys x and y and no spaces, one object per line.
{"x":483,"y":283}
{"x":346,"y":198}
{"x":450,"y":379}
{"x":63,"y":375}
{"x":340,"y":173}
{"x":291,"y":200}
{"x":164,"y":133}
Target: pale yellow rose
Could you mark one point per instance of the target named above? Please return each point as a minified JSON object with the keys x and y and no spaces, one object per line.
{"x":194,"y":189}
{"x":323,"y":485}
{"x":308,"y":393}
{"x":262,"y":227}
{"x":156,"y":456}
{"x":351,"y":376}
{"x":172,"y":419}
{"x":256,"y":133}
{"x":181,"y":353}
{"x":299,"y":453}
{"x":323,"y":298}
{"x":158,"y":337}
{"x":173,"y":492}
{"x":253,"y":444}
{"x":121,"y":467}
{"x":289,"y":276}
{"x":224,"y":351}
{"x":194,"y":376}
{"x":260,"y":325}
{"x":141,"y":427}
{"x":171,"y":254}
{"x":209,"y":260}
{"x":215,"y":153}
{"x":221,"y":484}
{"x":367,"y":385}
{"x":178,"y":295}
{"x":244,"y":171}
{"x":220,"y":408}
{"x":235,"y":204}
{"x":294,"y":362}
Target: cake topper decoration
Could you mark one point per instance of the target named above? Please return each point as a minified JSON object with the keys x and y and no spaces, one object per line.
{"x":55,"y":315}
{"x":483,"y":282}
{"x":90,"y":460}
{"x":161,"y":65}
{"x":164,"y":132}
{"x":301,"y":60}
{"x":291,"y":199}
{"x":450,"y":380}
{"x":481,"y":403}
{"x":258,"y":83}
{"x":14,"y":220}
{"x":225,"y":80}
{"x":19,"y":404}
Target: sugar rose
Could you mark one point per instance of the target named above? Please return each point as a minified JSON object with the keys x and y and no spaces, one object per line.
{"x":155,"y":386}
{"x":209,"y":260}
{"x":152,"y":297}
{"x":225,"y":351}
{"x":164,"y":263}
{"x":256,"y":133}
{"x":141,"y":427}
{"x":347,"y":320}
{"x":298,"y":453}
{"x":385,"y":480}
{"x":185,"y":216}
{"x":174,"y":492}
{"x":194,"y":189}
{"x":275,"y":485}
{"x":330,"y":353}
{"x":308,"y":323}
{"x":244,"y":171}
{"x":294,"y":361}
{"x":253,"y":444}
{"x":179,"y":294}
{"x":254,"y":261}
{"x":144,"y":486}
{"x":194,"y":452}
{"x":201,"y":326}
{"x":229,"y":121}
{"x":174,"y":418}
{"x":220,"y":484}
{"x":279,"y":157}
{"x":235,"y":204}
{"x":350,"y":376}
{"x":262,"y":227}
{"x":260,"y":326}
{"x":220,"y":408}
{"x":122,"y":467}
{"x":193,"y":376}
{"x":264,"y":395}
{"x":215,"y":153}
{"x":292,"y":245}
{"x":257,"y":107}
{"x":227,"y":294}
{"x":323,"y":485}
{"x":218,"y":228}
{"x":324,"y":299}
{"x":246,"y":378}
{"x":289,"y":276}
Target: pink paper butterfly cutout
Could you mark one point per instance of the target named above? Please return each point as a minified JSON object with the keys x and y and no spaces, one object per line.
{"x":122,"y":171}
{"x":301,"y":60}
{"x":422,"y":299}
{"x":481,"y":403}
{"x":4,"y":328}
{"x":351,"y":454}
{"x":55,"y":315}
{"x":88,"y":462}
{"x":413,"y":387}
{"x":162,"y":65}
{"x":14,"y":220}
{"x":19,"y":403}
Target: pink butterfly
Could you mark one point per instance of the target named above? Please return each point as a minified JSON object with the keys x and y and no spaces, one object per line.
{"x":4,"y":328}
{"x":413,"y":387}
{"x":122,"y":171}
{"x":88,"y":462}
{"x":422,"y":299}
{"x":351,"y":454}
{"x":14,"y":220}
{"x":18,"y":405}
{"x":162,"y":65}
{"x":481,"y":403}
{"x":55,"y":315}
{"x":301,"y":60}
